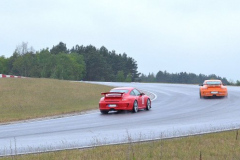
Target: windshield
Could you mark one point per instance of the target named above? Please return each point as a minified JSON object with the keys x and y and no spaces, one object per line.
{"x":213,"y":82}
{"x":119,"y":90}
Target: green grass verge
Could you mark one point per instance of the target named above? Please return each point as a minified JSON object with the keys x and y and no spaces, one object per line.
{"x":28,"y":98}
{"x":214,"y":146}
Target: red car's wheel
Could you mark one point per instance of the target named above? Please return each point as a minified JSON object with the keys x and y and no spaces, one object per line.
{"x":104,"y":111}
{"x":148,"y":105}
{"x":135,"y":107}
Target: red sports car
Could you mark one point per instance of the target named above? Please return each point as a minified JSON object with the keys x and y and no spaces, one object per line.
{"x":124,"y":98}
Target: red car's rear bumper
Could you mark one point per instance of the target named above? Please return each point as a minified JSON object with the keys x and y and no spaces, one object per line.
{"x":115,"y":106}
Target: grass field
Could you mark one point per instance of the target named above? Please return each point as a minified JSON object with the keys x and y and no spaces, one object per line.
{"x":214,"y":146}
{"x":29,"y":98}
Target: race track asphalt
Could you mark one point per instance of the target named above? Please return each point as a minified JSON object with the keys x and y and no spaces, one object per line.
{"x":176,"y":111}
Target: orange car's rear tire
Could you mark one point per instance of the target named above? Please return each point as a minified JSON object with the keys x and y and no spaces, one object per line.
{"x":201,"y":97}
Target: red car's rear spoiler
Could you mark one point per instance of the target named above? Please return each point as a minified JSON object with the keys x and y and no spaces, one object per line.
{"x":112,"y":94}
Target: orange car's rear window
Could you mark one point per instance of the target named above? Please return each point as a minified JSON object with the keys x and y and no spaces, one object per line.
{"x":213,"y":82}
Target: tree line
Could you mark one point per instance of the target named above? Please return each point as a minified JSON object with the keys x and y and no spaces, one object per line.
{"x":182,"y":77}
{"x":88,"y":63}
{"x":78,"y":63}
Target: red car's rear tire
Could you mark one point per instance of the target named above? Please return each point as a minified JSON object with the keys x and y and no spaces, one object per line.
{"x":135,"y":107}
{"x":104,"y":111}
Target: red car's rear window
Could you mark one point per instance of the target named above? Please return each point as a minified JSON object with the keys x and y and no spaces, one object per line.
{"x":120,"y":90}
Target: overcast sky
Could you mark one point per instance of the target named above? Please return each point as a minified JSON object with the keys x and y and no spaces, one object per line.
{"x":193,"y":36}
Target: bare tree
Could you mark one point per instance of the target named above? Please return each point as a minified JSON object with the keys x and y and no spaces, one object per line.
{"x":23,"y":48}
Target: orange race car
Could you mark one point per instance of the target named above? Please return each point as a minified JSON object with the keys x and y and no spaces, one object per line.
{"x":211,"y":88}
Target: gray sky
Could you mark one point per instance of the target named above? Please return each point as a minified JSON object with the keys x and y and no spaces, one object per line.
{"x":197,"y":36}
